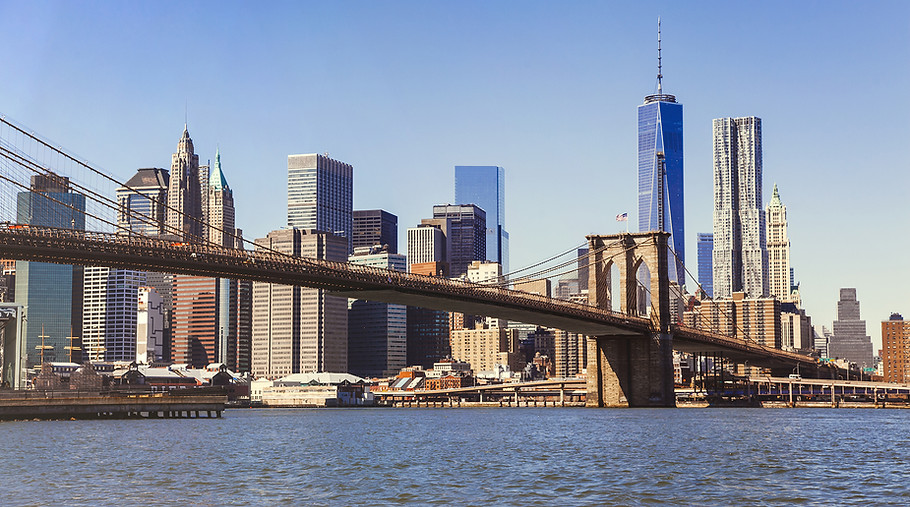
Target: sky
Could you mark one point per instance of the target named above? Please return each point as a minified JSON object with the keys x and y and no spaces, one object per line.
{"x":404,"y":91}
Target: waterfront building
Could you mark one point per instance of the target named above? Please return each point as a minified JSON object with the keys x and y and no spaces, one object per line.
{"x":377,"y":332}
{"x":427,"y":330}
{"x":896,"y":349}
{"x":850,"y":340}
{"x":299,"y":329}
{"x":740,"y":249}
{"x":375,"y":227}
{"x":149,"y":326}
{"x":753,"y":319}
{"x":110,"y":307}
{"x":184,"y":215}
{"x":320,"y":195}
{"x":485,"y":348}
{"x":485,"y":186}
{"x":779,"y":271}
{"x":465,"y":232}
{"x":705,"y":247}
{"x":660,"y":171}
{"x":51,"y":293}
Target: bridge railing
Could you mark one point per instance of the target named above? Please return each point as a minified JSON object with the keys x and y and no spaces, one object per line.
{"x":278,"y":261}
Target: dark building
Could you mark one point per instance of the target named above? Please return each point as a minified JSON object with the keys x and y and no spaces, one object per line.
{"x":375,"y":227}
{"x":466,"y":234}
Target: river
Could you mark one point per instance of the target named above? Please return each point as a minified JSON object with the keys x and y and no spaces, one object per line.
{"x":465,"y":456}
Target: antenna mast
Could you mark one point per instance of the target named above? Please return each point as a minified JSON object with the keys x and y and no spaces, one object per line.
{"x":659,"y":75}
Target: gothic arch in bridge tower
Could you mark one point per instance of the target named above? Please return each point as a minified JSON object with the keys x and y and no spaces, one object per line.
{"x":631,"y":370}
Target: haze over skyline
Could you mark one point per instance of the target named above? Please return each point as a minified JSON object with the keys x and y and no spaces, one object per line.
{"x":405,"y":91}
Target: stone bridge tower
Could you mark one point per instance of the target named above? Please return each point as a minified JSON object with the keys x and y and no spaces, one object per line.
{"x":631,"y":370}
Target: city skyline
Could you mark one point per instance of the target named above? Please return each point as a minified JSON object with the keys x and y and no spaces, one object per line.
{"x":572,"y":155}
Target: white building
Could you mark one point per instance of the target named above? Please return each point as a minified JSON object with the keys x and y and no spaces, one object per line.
{"x":426,"y":244}
{"x":110,"y":312}
{"x":740,"y":250}
{"x":149,"y":326}
{"x":779,"y":250}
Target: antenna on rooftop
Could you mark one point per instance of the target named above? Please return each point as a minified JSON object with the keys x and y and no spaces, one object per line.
{"x":659,"y":75}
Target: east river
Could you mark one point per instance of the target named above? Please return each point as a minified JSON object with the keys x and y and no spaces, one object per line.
{"x":466,"y":456}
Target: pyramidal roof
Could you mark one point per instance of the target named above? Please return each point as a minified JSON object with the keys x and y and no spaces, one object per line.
{"x":216,"y":178}
{"x":775,"y":198}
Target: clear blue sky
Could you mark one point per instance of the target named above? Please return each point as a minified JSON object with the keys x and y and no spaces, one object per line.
{"x":404,"y":91}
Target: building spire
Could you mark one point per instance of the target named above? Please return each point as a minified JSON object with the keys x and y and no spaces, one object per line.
{"x":659,"y":75}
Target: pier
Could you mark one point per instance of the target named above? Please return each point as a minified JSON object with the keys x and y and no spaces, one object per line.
{"x":179,"y":404}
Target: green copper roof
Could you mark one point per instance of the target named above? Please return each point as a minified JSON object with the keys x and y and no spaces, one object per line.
{"x":775,"y":198}
{"x":216,"y":179}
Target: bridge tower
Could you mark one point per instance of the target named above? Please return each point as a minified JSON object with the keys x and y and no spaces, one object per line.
{"x":631,"y":370}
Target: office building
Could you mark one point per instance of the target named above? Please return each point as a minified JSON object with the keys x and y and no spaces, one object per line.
{"x":740,"y":249}
{"x":779,"y":272}
{"x":377,"y":332}
{"x":427,"y":330}
{"x":465,"y":232}
{"x":299,"y":329}
{"x":796,"y":331}
{"x":487,"y":348}
{"x":375,"y":227}
{"x":143,"y":201}
{"x":850,"y":340}
{"x":219,"y":209}
{"x":427,"y":243}
{"x":705,"y":246}
{"x":110,"y":313}
{"x":896,"y":349}
{"x":149,"y":326}
{"x":320,"y":195}
{"x":51,"y":293}
{"x":752,"y":319}
{"x":485,"y":186}
{"x":660,"y":171}
{"x":184,"y":196}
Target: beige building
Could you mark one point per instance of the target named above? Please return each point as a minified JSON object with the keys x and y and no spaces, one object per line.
{"x":778,"y":250}
{"x":299,"y":329}
{"x":484,"y":348}
{"x":757,"y":320}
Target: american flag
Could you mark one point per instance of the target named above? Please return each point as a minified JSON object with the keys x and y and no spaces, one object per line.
{"x":622,"y":217}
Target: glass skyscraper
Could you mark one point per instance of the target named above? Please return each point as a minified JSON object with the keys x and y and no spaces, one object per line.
{"x":705,"y":246}
{"x":52,"y":293}
{"x":660,"y":173}
{"x":485,"y":186}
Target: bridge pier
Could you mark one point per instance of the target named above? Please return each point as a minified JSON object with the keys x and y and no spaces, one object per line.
{"x":631,"y":370}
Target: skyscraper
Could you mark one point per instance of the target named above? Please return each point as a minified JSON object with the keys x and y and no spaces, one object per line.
{"x":780,"y":273}
{"x":705,"y":245}
{"x":850,"y":341}
{"x":220,"y":208}
{"x":184,"y":196}
{"x":740,"y":250}
{"x":299,"y":329}
{"x":377,"y":332}
{"x":375,"y":227}
{"x":466,"y":240}
{"x":110,"y":313}
{"x":485,"y":186}
{"x":143,"y":201}
{"x":320,"y":195}
{"x":660,"y":171}
{"x":52,"y":293}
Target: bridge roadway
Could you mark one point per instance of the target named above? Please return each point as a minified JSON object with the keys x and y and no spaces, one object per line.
{"x":133,"y":251}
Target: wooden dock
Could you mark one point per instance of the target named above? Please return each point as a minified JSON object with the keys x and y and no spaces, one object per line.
{"x":182,"y":403}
